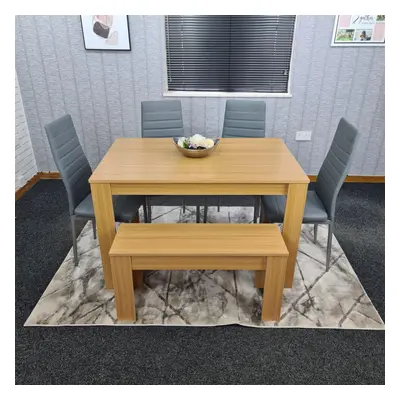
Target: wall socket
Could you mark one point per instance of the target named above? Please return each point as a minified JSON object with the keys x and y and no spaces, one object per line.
{"x":303,"y":135}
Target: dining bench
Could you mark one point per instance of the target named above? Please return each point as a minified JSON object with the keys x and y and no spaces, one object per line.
{"x":254,"y":247}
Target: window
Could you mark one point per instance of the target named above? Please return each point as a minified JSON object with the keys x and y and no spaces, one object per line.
{"x":229,"y":53}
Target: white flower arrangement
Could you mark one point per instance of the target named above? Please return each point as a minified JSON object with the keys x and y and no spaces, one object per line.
{"x":195,"y":142}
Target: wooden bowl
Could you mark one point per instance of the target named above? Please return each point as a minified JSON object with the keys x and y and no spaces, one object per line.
{"x":195,"y":153}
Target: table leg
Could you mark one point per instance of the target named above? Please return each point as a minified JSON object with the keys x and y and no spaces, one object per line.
{"x":104,"y":213}
{"x":273,"y":289}
{"x":123,"y":286}
{"x":295,"y":202}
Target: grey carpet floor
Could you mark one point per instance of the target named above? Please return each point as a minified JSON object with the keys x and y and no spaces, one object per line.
{"x":173,"y":355}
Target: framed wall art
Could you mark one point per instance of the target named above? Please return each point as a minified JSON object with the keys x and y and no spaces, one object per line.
{"x":359,"y":30}
{"x":106,"y":32}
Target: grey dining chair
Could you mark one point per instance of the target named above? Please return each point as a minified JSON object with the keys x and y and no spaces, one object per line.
{"x":75,"y":172}
{"x":163,"y":119}
{"x":321,"y":204}
{"x":243,"y":119}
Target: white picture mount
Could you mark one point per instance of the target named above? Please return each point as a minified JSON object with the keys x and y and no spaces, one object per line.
{"x":361,"y":22}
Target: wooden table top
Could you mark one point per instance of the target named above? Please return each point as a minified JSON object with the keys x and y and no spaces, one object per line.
{"x":247,"y":161}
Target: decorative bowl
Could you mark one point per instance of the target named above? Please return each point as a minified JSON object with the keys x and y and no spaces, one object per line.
{"x":196,"y":153}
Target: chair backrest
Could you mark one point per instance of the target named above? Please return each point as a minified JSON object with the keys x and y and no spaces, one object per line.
{"x":244,"y":118}
{"x":70,"y":159}
{"x":162,"y":119}
{"x":336,"y":165}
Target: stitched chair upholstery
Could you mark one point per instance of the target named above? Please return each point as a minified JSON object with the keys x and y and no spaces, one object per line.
{"x":321,"y":203}
{"x":163,"y":119}
{"x":75,"y":172}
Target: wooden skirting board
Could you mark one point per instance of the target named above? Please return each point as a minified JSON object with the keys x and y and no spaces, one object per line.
{"x":36,"y":178}
{"x":357,"y":179}
{"x":49,"y":175}
{"x":56,"y":175}
{"x":22,"y":190}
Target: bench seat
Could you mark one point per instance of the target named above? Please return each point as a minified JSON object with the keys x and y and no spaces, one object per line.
{"x":256,"y":247}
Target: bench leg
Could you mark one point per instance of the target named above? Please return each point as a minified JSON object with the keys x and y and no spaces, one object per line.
{"x":123,"y":287}
{"x":273,"y":288}
{"x":138,"y":278}
{"x":259,"y":279}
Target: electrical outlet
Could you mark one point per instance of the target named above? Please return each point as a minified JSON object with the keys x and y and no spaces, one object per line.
{"x":303,"y":135}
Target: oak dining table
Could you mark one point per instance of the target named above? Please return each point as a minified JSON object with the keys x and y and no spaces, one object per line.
{"x":152,"y":166}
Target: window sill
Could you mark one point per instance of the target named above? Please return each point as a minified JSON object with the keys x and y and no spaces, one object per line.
{"x":223,"y":94}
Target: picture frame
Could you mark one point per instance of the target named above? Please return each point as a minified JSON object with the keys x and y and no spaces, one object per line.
{"x":106,"y":32}
{"x":359,"y":30}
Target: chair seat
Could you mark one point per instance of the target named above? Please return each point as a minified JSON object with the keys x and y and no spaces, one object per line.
{"x":314,"y":211}
{"x":125,"y":207}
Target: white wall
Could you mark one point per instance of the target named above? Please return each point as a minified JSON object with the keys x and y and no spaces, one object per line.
{"x":25,"y":164}
{"x":102,"y":90}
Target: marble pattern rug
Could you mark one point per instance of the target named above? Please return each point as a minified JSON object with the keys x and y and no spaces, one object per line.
{"x":318,"y":299}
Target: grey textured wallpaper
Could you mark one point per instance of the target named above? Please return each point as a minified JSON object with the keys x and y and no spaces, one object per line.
{"x":103,"y":90}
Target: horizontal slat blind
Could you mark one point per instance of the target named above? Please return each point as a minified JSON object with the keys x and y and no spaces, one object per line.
{"x":229,"y":53}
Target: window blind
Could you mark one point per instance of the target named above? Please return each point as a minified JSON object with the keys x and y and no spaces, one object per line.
{"x":229,"y":53}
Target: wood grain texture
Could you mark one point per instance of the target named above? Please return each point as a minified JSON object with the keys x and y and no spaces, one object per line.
{"x":238,"y":263}
{"x":273,"y":288}
{"x":365,"y":179}
{"x":357,"y":178}
{"x":160,"y":240}
{"x":259,"y":278}
{"x":137,"y":278}
{"x":192,"y":246}
{"x":296,"y":200}
{"x":49,"y":175}
{"x":123,"y":287}
{"x":104,"y":211}
{"x":234,"y":161}
{"x":238,"y":166}
{"x":199,"y":188}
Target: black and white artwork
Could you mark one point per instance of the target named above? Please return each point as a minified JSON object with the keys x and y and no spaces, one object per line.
{"x":106,"y":32}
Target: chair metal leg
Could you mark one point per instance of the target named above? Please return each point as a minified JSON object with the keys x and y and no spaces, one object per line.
{"x":94,"y":228}
{"x":205,"y":210}
{"x":262,"y":213}
{"x":197,"y":214}
{"x":183,"y":206}
{"x":148,"y":207}
{"x":218,"y":203}
{"x":315,"y":233}
{"x":257,"y":206}
{"x":205,"y":214}
{"x":145,"y":214}
{"x":74,"y":244}
{"x":329,"y":245}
